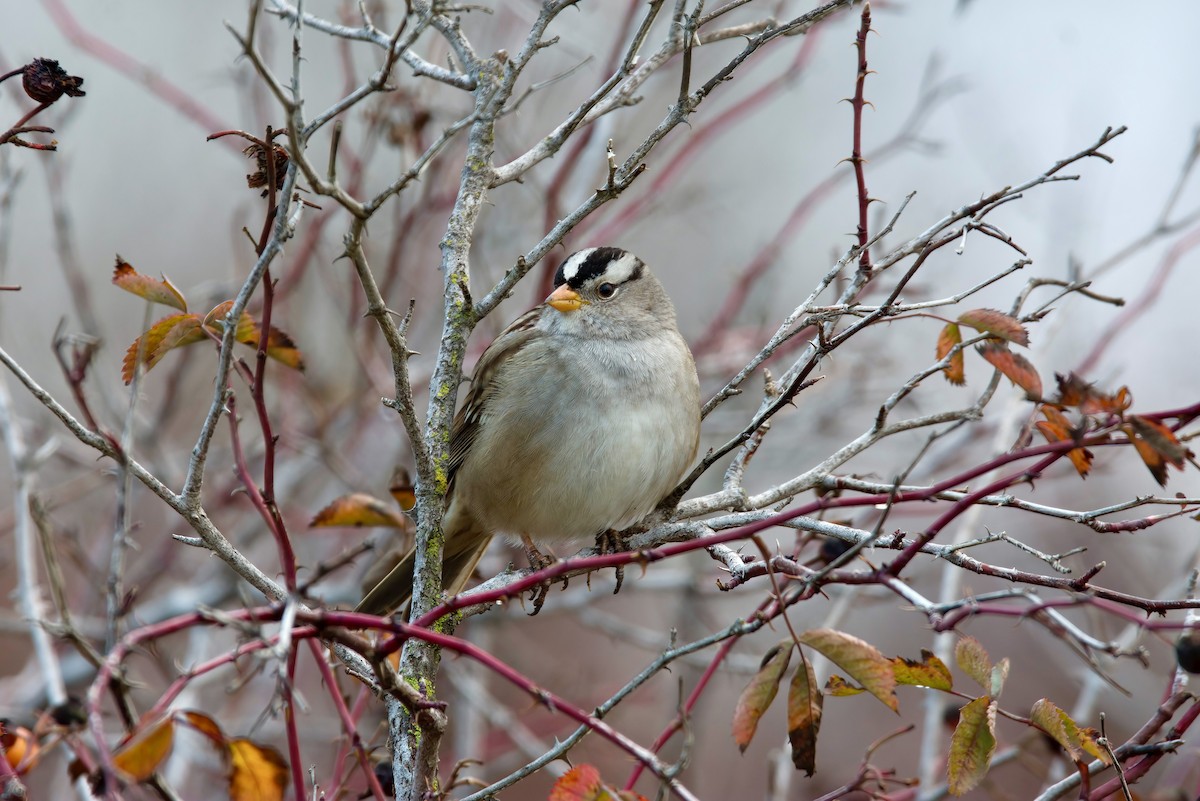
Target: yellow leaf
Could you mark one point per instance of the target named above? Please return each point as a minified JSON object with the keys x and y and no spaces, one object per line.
{"x":257,"y":772}
{"x":838,"y":687}
{"x":860,"y":659}
{"x":139,"y":757}
{"x":1076,"y":741}
{"x":170,"y":332}
{"x":203,"y":724}
{"x":280,"y":346}
{"x":929,"y":672}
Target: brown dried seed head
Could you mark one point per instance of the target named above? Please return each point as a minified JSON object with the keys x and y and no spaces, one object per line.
{"x":259,"y":178}
{"x":45,"y":81}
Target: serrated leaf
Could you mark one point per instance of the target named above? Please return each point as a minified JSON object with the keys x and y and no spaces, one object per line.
{"x":1015,"y":367}
{"x":973,"y":660}
{"x":280,"y":346}
{"x":955,"y":372}
{"x":971,"y":745}
{"x":838,"y":687}
{"x":139,"y":757}
{"x":804,"y":717}
{"x":1077,"y":741}
{"x":996,"y":323}
{"x":858,"y":658}
{"x":257,"y":772}
{"x":759,"y":693}
{"x":168,"y":333}
{"x":151,"y":289}
{"x":929,"y":672}
{"x":358,"y":509}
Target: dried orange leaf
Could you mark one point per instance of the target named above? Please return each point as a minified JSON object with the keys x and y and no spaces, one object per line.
{"x":996,"y":323}
{"x":215,"y":319}
{"x":1161,"y":438}
{"x":1157,"y":445}
{"x":169,"y":332}
{"x":929,"y":672}
{"x":860,"y":659}
{"x":838,"y":687}
{"x":804,"y":717}
{"x":955,"y":372}
{"x":1074,"y":391}
{"x":971,"y":745}
{"x":1056,"y":428}
{"x":21,"y":748}
{"x":144,"y":286}
{"x":582,"y":783}
{"x":358,"y":509}
{"x":257,"y":772}
{"x":759,"y":693}
{"x":974,"y":661}
{"x":1015,"y":367}
{"x":139,"y":757}
{"x":203,"y":724}
{"x":280,"y":346}
{"x":1078,"y":742}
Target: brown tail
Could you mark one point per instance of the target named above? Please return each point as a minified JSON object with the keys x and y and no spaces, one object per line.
{"x":394,"y":591}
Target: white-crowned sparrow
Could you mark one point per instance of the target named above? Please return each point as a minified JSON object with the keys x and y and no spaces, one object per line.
{"x":582,"y":415}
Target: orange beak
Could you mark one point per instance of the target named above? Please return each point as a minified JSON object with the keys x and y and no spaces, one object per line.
{"x":565,"y":299}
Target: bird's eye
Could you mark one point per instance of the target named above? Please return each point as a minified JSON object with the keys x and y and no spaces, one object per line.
{"x":606,"y":290}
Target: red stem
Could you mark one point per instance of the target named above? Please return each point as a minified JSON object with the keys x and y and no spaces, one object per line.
{"x":348,"y":723}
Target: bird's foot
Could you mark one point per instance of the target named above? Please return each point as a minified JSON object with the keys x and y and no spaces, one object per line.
{"x":613,"y":541}
{"x":540,"y":561}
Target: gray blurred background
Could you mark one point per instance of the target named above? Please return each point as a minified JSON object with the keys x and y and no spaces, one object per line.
{"x":1022,"y":85}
